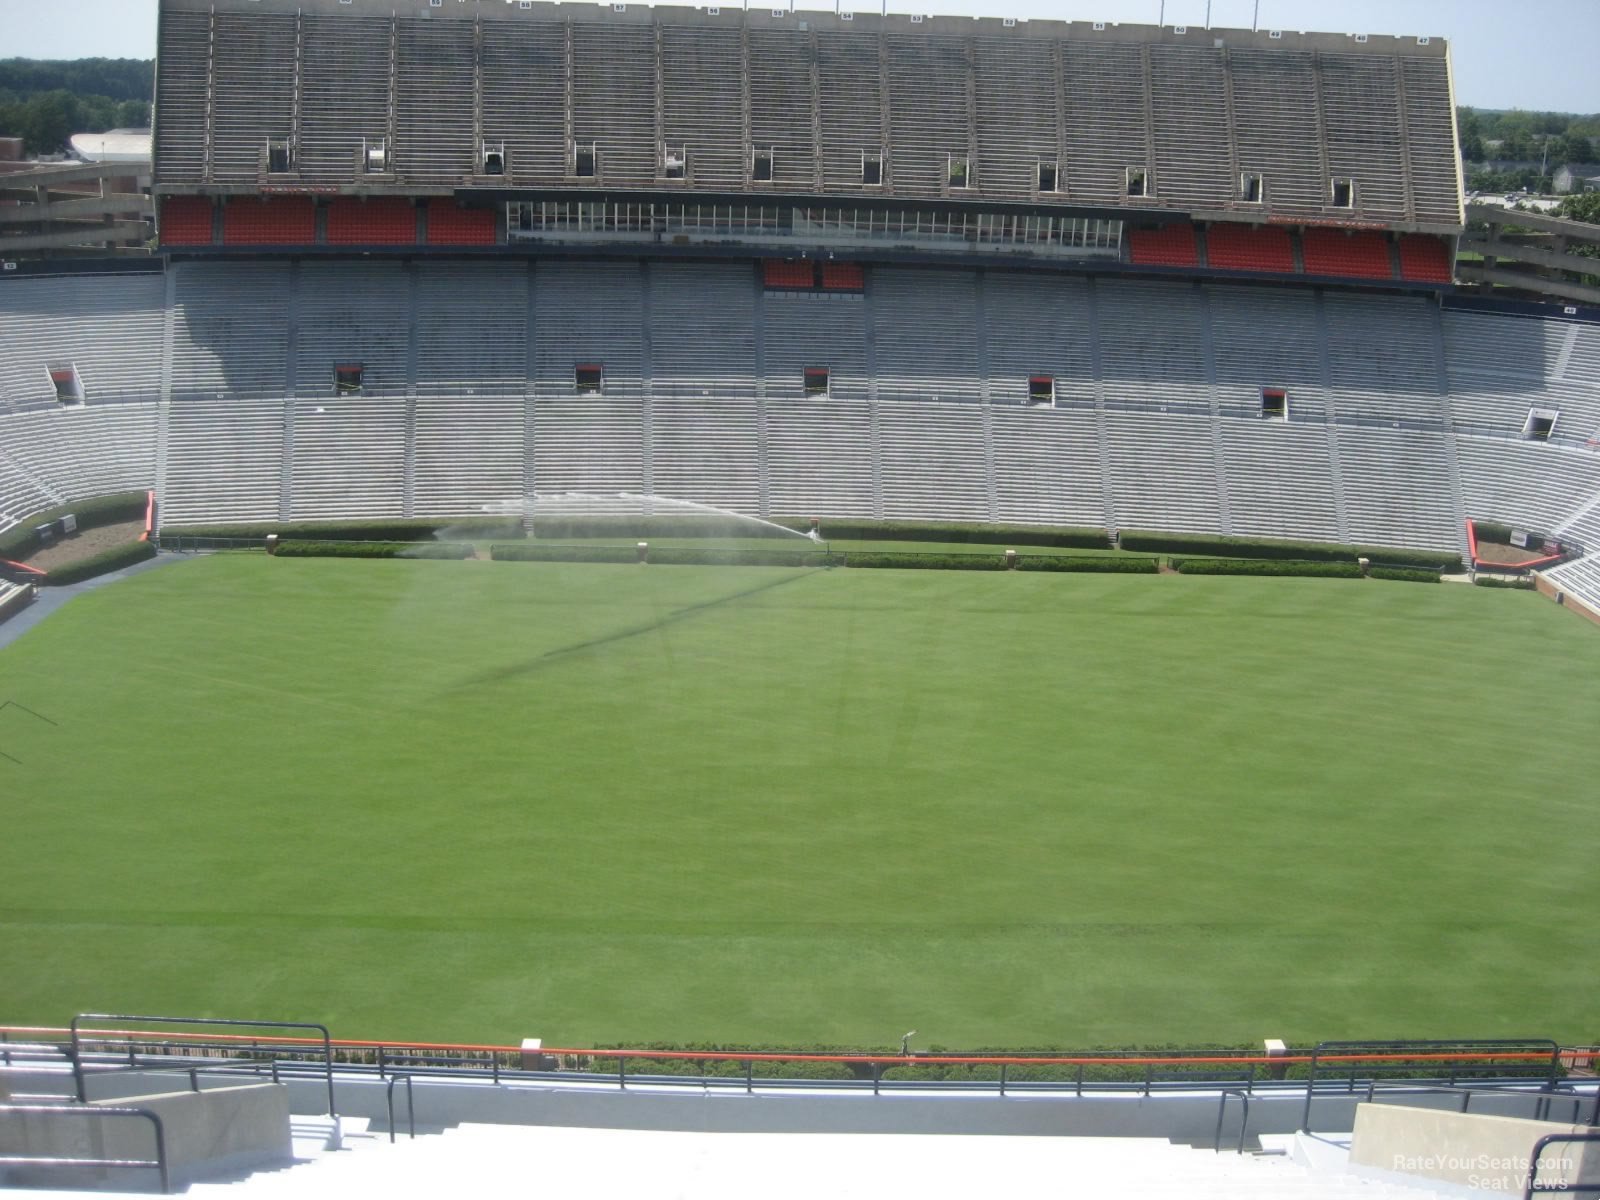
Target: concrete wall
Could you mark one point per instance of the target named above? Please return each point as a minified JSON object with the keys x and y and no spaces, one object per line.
{"x":1473,"y":1150}
{"x":207,"y":1134}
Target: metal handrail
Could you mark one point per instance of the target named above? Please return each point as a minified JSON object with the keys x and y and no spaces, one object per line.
{"x":1422,"y":1050}
{"x":77,"y":1039}
{"x":159,"y":1163}
{"x":1244,"y":1119}
{"x":1568,"y":1189}
{"x":411,"y":1105}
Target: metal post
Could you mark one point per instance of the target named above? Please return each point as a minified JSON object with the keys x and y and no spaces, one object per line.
{"x":622,"y":1071}
{"x":749,"y":1073}
{"x":1002,"y":1079}
{"x":1255,"y":17}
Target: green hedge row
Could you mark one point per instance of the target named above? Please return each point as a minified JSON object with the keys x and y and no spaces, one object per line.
{"x":409,"y":530}
{"x":927,"y":562}
{"x":19,"y":541}
{"x":1247,"y":566}
{"x":1229,"y":547}
{"x":1523,"y":584}
{"x":696,"y":556}
{"x":1118,"y":565}
{"x":106,"y":561}
{"x":535,"y":552}
{"x":675,"y":525}
{"x":342,"y":549}
{"x":1405,"y":574}
{"x":847,"y":529}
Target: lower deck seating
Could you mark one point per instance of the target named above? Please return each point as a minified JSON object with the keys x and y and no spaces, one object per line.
{"x":711,"y":388}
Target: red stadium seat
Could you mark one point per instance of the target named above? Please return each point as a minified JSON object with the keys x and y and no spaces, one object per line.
{"x":843,"y":277}
{"x":451,"y":225}
{"x":1425,"y":259}
{"x":273,"y":221}
{"x":378,"y":222}
{"x":1248,"y":248}
{"x":1169,"y":246}
{"x":1355,"y":255}
{"x":186,"y":221}
{"x":787,"y":274}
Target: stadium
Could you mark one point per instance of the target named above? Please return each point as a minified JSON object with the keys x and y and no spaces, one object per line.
{"x":675,"y":545}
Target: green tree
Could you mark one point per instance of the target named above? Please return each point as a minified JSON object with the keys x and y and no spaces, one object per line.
{"x":1584,"y":207}
{"x":1516,"y":146}
{"x":1572,"y":148}
{"x":48,"y":121}
{"x":1471,"y":131}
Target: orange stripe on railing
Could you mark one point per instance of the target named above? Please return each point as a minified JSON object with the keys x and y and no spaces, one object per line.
{"x":769,"y":1056}
{"x":6,"y":562}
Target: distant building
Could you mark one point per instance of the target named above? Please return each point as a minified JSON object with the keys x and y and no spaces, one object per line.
{"x":114,"y":145}
{"x":1577,"y":177}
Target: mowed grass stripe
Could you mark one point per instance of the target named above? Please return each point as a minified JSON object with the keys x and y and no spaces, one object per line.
{"x":476,"y":800}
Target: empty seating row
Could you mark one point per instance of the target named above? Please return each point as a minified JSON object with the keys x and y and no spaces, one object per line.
{"x":548,"y":95}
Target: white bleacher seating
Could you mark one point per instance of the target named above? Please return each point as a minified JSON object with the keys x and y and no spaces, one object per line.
{"x":469,"y":398}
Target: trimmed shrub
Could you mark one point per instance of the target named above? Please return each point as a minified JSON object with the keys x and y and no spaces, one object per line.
{"x":358,"y":531}
{"x":1247,"y":566}
{"x":1404,"y":574}
{"x":1068,"y":562}
{"x":675,"y":525}
{"x":535,"y":552}
{"x":456,"y":550}
{"x":694,"y":556}
{"x":976,"y":533}
{"x":926,"y":562}
{"x":19,"y":541}
{"x":1228,"y":547}
{"x":103,"y":563}
{"x":1492,"y":531}
{"x":1524,"y":584}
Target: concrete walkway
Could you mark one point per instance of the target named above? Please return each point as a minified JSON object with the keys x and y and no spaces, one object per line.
{"x":50,"y":599}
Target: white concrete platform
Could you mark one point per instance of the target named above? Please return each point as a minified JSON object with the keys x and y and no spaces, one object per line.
{"x":492,"y":1161}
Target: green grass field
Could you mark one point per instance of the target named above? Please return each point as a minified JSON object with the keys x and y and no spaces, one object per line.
{"x":483,"y":800}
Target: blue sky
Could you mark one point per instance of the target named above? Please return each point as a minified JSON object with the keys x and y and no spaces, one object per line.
{"x":1539,"y":55}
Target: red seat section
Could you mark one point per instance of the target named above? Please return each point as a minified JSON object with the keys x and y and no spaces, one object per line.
{"x":843,"y":277}
{"x":788,"y":274}
{"x":1424,"y":258}
{"x":451,"y":225}
{"x":1335,"y":252}
{"x":382,"y":222}
{"x":1169,"y":246}
{"x":186,"y":221}
{"x":276,"y":221}
{"x":1248,"y":248}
